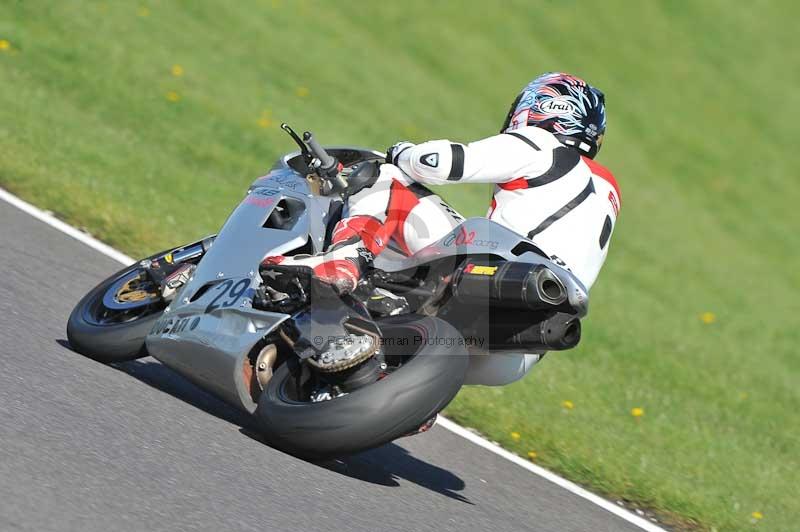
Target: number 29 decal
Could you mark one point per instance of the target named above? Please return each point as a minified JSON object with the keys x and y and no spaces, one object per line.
{"x":228,"y":294}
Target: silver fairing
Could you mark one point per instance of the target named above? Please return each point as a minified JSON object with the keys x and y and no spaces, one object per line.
{"x":210,"y":327}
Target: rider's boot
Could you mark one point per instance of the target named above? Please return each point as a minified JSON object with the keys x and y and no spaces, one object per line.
{"x":381,"y":302}
{"x":340,"y":266}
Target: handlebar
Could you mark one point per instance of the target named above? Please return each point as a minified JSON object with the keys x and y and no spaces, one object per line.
{"x":326,"y":162}
{"x":326,"y":166}
{"x":329,"y":167}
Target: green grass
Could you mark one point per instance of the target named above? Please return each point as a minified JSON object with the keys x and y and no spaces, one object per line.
{"x":703,"y":113}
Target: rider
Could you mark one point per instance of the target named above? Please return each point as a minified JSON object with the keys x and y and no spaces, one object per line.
{"x":547,"y":187}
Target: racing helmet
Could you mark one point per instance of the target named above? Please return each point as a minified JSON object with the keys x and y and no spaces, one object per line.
{"x":564,"y":105}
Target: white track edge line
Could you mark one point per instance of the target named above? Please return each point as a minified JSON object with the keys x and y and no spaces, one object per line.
{"x":443,"y":422}
{"x":54,"y":222}
{"x":573,"y":488}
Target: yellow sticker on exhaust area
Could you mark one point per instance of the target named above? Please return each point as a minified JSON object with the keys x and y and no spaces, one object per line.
{"x":482,"y":270}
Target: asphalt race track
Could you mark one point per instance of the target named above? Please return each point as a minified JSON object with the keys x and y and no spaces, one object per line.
{"x":89,"y":447}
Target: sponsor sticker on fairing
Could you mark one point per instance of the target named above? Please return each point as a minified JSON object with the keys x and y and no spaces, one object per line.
{"x":259,"y":202}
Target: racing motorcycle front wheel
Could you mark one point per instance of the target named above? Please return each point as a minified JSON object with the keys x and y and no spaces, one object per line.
{"x":429,"y":369}
{"x":110,"y":323}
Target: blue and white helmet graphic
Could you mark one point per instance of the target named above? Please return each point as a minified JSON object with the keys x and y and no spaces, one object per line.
{"x":566,"y":106}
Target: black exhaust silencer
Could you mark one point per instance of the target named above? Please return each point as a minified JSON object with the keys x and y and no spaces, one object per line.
{"x":557,"y":332}
{"x":505,"y":284}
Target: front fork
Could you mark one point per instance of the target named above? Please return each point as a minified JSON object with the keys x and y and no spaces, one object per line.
{"x":172,"y":269}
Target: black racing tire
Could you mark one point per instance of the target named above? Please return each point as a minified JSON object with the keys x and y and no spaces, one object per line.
{"x":374,"y":414}
{"x":108,"y":343}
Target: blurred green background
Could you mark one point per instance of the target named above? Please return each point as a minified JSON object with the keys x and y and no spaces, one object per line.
{"x":145,"y":122}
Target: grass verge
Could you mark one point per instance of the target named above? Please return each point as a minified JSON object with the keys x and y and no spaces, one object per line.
{"x":145,"y":122}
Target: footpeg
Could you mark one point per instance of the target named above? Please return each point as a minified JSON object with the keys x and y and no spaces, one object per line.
{"x":384,"y":303}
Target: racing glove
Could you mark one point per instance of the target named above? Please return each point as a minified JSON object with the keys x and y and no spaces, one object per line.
{"x":394,"y":152}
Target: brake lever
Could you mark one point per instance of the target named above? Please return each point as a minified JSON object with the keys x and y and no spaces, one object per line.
{"x":296,"y":138}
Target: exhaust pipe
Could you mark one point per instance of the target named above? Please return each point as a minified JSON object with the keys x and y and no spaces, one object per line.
{"x":508,"y":284}
{"x":549,"y":287}
{"x":558,"y":332}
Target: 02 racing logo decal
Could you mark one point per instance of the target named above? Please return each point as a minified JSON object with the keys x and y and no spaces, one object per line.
{"x":460,"y":237}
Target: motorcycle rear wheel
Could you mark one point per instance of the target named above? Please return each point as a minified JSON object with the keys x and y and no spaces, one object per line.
{"x":433,"y":372}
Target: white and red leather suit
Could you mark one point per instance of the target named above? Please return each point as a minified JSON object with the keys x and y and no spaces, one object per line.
{"x":564,"y":202}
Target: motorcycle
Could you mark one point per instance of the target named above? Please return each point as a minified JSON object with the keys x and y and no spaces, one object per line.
{"x":325,"y":374}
